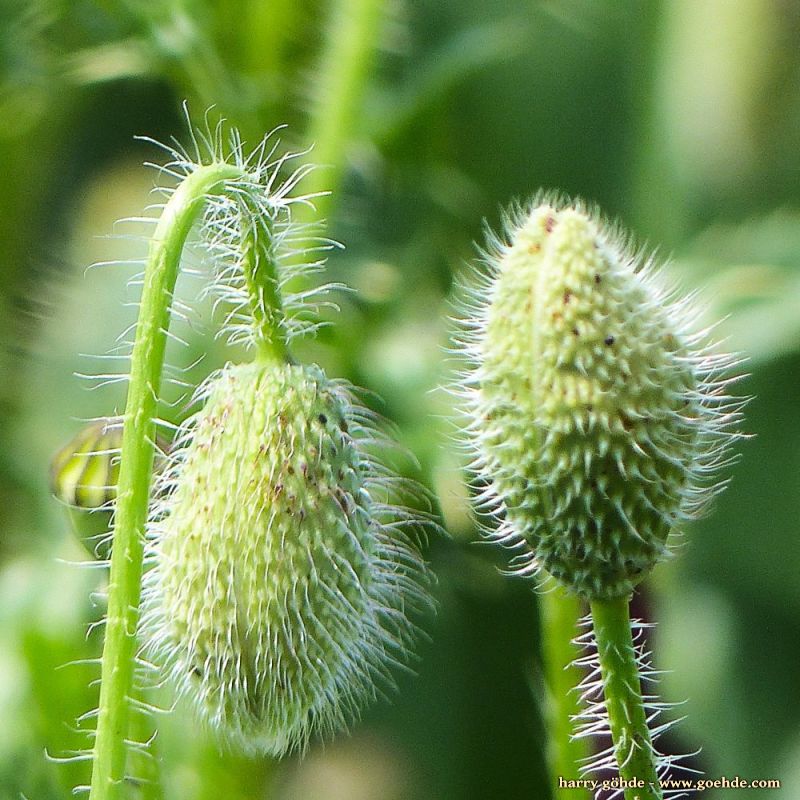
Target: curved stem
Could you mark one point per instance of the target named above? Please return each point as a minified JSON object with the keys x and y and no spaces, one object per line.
{"x":622,"y":689}
{"x":559,"y":613}
{"x":136,"y":468}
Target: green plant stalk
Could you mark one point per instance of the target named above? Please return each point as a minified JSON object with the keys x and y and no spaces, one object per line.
{"x":268,"y":32}
{"x":623,"y":694}
{"x":136,"y":468}
{"x":344,"y":68}
{"x":260,"y":271}
{"x":559,"y":613}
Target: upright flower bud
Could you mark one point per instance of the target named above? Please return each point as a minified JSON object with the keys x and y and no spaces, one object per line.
{"x":281,"y":582}
{"x":598,"y":414}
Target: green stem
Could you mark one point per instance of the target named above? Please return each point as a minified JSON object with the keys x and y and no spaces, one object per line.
{"x":136,"y":468}
{"x":344,"y":68}
{"x":559,"y":614}
{"x":267,"y":35}
{"x":622,"y":689}
{"x":261,"y":275}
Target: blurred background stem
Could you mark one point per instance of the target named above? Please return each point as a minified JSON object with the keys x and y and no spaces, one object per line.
{"x":559,"y":613}
{"x":342,"y":75}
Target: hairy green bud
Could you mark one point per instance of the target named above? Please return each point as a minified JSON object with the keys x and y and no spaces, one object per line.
{"x":597,"y":412}
{"x":281,"y":578}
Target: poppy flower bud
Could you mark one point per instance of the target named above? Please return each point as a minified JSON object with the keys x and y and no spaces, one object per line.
{"x":599,"y":415}
{"x":280,"y":581}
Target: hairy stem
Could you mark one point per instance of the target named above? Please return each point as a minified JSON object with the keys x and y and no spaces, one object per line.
{"x":623,"y":694}
{"x":145,"y":766}
{"x":559,"y":613}
{"x":136,"y":468}
{"x":261,"y":275}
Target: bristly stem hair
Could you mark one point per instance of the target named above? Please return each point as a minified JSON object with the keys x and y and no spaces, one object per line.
{"x":625,"y":707}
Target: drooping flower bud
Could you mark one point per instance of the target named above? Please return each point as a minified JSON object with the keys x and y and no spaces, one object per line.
{"x":598,"y":413}
{"x":281,"y":579}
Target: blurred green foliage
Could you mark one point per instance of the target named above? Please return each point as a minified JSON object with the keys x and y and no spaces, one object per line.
{"x":681,"y":117}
